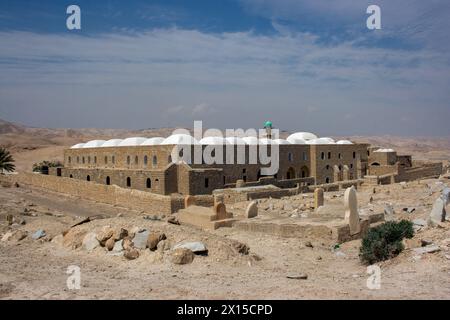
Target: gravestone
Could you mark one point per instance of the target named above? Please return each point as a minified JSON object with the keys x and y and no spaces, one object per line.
{"x":351,"y":210}
{"x":240,"y":183}
{"x":189,"y":201}
{"x":220,"y":211}
{"x":252,"y":210}
{"x":318,"y":198}
{"x":438,"y":212}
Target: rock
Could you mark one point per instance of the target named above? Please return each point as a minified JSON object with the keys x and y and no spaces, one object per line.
{"x":131,"y":254}
{"x":173,"y":220}
{"x":153,"y":239}
{"x":90,"y":242}
{"x":7,"y":236}
{"x":119,"y":215}
{"x":419,"y":222}
{"x":120,"y":234}
{"x":128,"y":244}
{"x":38,"y":234}
{"x":104,"y":235}
{"x":252,"y":210}
{"x":300,"y":276}
{"x":140,"y":239}
{"x":309,"y":244}
{"x":425,"y":242}
{"x":318,"y":198}
{"x":427,"y":249}
{"x":163,"y":245}
{"x":109,"y":244}
{"x":389,"y":210}
{"x":411,"y":243}
{"x":409,"y":209}
{"x":438,"y":213}
{"x":118,"y":246}
{"x":19,"y":235}
{"x":73,"y":238}
{"x":195,"y":247}
{"x":182,"y":256}
{"x":340,"y":254}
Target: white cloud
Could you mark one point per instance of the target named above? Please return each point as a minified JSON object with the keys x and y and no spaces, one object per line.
{"x":147,"y":79}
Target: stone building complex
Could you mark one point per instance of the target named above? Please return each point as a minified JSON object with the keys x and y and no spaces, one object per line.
{"x":304,"y":159}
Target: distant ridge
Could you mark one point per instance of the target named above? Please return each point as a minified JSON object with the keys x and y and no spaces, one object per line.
{"x":10,"y":127}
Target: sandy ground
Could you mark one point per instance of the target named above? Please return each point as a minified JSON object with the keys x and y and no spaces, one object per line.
{"x":36,"y":269}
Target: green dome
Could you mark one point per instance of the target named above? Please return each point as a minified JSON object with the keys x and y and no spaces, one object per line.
{"x":268,"y":124}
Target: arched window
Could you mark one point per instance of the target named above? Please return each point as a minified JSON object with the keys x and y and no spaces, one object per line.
{"x":113,"y":159}
{"x":108,"y":181}
{"x":354,"y":155}
{"x":106,"y":159}
{"x":290,"y":157}
{"x":83,"y":160}
{"x":149,"y":183}
{"x":95,"y":159}
{"x":89,"y":159}
{"x":322,"y":155}
{"x":128,"y":160}
{"x":340,"y":156}
{"x":70,"y":159}
{"x":206,"y":182}
{"x":329,"y":155}
{"x":351,"y":165}
{"x":136,"y":160}
{"x":145,"y":160}
{"x":305,"y":156}
{"x":327,"y":180}
{"x":78,"y":159}
{"x":128,"y":182}
{"x":71,"y":176}
{"x":155,"y":160}
{"x":88,"y":178}
{"x":327,"y":167}
{"x":169,"y":159}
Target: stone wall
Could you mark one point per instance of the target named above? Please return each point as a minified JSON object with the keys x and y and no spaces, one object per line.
{"x":429,"y":170}
{"x":110,"y":194}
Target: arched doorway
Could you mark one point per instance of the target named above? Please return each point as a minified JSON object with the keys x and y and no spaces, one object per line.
{"x":290,"y":173}
{"x":128,"y":182}
{"x":108,"y":181}
{"x":88,"y":178}
{"x":149,"y":183}
{"x":304,"y":172}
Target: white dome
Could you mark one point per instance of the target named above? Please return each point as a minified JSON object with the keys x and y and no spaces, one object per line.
{"x":94,"y":144}
{"x":344,"y":142}
{"x":294,"y":140}
{"x":235,"y":140}
{"x":213,"y":141}
{"x":329,"y":140}
{"x":180,"y":139}
{"x":250,"y":140}
{"x":385,"y":150}
{"x":303,"y":136}
{"x":77,"y":146}
{"x":152,"y":141}
{"x":321,"y":141}
{"x":130,"y":142}
{"x":280,"y":141}
{"x":112,"y":143}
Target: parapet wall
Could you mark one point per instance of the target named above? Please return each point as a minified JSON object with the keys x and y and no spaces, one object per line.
{"x":110,"y":194}
{"x":429,"y":170}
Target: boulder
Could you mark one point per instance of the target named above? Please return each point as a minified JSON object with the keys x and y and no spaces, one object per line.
{"x":90,"y":242}
{"x":110,"y":243}
{"x":195,"y":247}
{"x":140,"y":239}
{"x":120,"y":234}
{"x":19,"y":235}
{"x":7,"y":236}
{"x":427,"y":249}
{"x":128,"y":244}
{"x":153,"y":239}
{"x":131,"y":254}
{"x":104,"y":235}
{"x":58,"y":239}
{"x":182,"y":256}
{"x":163,"y":245}
{"x":73,"y":238}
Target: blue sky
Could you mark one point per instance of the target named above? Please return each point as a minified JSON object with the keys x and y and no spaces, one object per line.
{"x":305,"y":65}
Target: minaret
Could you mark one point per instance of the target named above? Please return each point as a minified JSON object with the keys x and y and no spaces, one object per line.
{"x":268,"y":127}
